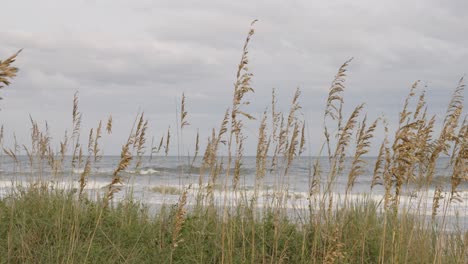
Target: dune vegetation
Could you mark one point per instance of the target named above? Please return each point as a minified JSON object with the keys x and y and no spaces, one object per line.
{"x":40,"y":224}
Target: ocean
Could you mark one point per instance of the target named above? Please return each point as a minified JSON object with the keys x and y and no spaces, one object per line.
{"x":161,"y":180}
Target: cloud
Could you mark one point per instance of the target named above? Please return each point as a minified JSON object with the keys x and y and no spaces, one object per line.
{"x":130,"y":56}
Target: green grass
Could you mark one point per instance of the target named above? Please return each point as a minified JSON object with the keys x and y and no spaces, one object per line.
{"x":38,"y":225}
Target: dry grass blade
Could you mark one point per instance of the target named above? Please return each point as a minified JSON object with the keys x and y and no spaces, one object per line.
{"x":197,"y":148}
{"x":84,"y":176}
{"x":314,"y":180}
{"x":335,"y":248}
{"x":168,"y":140}
{"x":447,"y":134}
{"x":136,"y":136}
{"x":405,"y":113}
{"x":183,"y":114}
{"x":435,"y":201}
{"x":275,"y":116}
{"x":77,"y":153}
{"x":29,"y":155}
{"x":1,"y":135}
{"x":345,"y":136}
{"x":80,"y":156}
{"x":96,"y":149}
{"x":158,"y":148}
{"x":458,"y":141}
{"x":294,"y":108}
{"x":63,"y":147}
{"x":377,"y":175}
{"x":223,"y":129}
{"x":420,"y":105}
{"x":262,"y":149}
{"x":335,"y":94}
{"x":362,"y":148}
{"x":292,"y":150}
{"x":404,"y":158}
{"x":179,"y":218}
{"x":90,"y":141}
{"x":280,"y":140}
{"x":456,"y":104}
{"x":124,"y":162}
{"x":334,"y":106}
{"x":209,"y":160}
{"x":109,"y":125}
{"x":76,"y":118}
{"x":76,"y":115}
{"x":125,"y":159}
{"x":460,"y":166}
{"x":140,"y":140}
{"x":8,"y":72}
{"x":303,"y":141}
{"x":242,"y":87}
{"x":34,"y":135}
{"x":238,"y":163}
{"x":11,"y":154}
{"x":424,"y":143}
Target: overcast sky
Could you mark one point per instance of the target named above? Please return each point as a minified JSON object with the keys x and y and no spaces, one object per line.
{"x":129,"y":56}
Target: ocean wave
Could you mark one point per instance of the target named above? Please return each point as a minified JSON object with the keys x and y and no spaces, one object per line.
{"x":149,"y":171}
{"x":94,"y":170}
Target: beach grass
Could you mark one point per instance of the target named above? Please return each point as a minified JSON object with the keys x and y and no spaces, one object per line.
{"x":40,"y":224}
{"x":43,"y":226}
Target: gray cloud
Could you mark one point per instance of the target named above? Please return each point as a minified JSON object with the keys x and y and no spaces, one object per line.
{"x":130,"y":56}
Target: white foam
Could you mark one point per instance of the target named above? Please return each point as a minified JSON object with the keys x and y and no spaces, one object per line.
{"x":148,"y":171}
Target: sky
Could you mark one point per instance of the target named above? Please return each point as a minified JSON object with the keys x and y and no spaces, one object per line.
{"x":126,"y":57}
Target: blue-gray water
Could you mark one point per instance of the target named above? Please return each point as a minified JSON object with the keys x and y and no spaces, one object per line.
{"x":161,"y":180}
